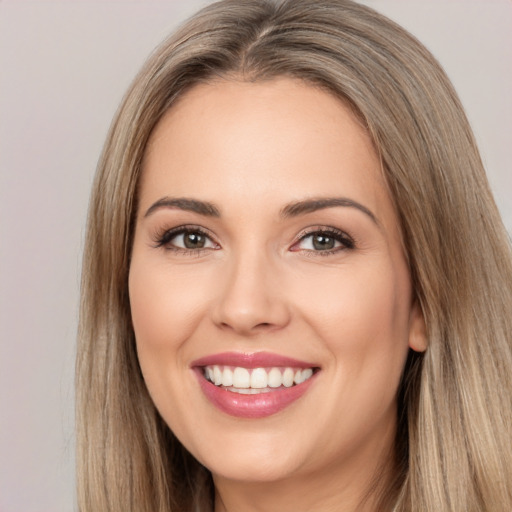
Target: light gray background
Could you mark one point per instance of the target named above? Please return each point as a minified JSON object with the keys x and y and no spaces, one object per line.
{"x":64,"y":66}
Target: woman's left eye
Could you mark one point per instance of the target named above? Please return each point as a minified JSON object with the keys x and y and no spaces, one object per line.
{"x":326,"y":241}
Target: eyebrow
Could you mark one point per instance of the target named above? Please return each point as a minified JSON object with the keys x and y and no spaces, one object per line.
{"x":312,"y":205}
{"x":182,"y":203}
{"x":290,"y":210}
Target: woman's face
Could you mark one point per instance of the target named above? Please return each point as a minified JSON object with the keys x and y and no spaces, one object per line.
{"x":267,"y":259}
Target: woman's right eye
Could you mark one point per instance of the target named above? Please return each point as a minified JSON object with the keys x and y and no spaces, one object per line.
{"x":186,"y":239}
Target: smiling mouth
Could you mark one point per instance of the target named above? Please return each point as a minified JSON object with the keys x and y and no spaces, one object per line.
{"x":253,"y":381}
{"x":253,"y":385}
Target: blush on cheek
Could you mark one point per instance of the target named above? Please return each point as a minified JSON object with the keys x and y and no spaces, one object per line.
{"x":368,"y":331}
{"x":166,"y":306}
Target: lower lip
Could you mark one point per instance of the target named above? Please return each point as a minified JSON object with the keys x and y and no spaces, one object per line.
{"x":252,"y":406}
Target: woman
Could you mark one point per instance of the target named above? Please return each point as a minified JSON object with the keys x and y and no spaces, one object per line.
{"x":296,"y":287}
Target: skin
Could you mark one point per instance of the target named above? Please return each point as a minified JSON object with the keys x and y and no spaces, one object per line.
{"x":260,"y":285}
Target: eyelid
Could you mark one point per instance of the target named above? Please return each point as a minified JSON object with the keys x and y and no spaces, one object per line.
{"x":347,"y":241}
{"x":163,"y":237}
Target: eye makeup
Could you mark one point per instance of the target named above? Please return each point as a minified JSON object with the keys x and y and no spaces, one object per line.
{"x":323,"y":240}
{"x":194,"y":240}
{"x":185,"y":239}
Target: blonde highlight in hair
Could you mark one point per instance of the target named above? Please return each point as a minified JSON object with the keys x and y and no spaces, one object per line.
{"x":453,"y":445}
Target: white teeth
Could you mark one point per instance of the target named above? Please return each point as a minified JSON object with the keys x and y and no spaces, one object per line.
{"x":288,"y":375}
{"x":227,"y":377}
{"x":241,"y":378}
{"x":217,"y":376}
{"x":275,"y":378}
{"x":246,"y":381}
{"x":249,"y":391}
{"x":307,"y":374}
{"x":259,"y":378}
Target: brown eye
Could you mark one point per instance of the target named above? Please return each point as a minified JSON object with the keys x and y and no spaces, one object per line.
{"x":186,"y":239}
{"x":194,"y":240}
{"x":327,"y":241}
{"x":323,"y":242}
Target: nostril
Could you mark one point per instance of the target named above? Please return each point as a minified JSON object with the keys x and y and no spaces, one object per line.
{"x":262,"y":324}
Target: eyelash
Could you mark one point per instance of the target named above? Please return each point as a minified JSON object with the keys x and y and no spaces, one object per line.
{"x":345,"y":240}
{"x":164,"y":238}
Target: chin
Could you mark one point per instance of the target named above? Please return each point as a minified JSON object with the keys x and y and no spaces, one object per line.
{"x":253,"y":471}
{"x":252,"y":460}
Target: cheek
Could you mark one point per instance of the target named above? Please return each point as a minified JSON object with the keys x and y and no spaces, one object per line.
{"x":166,"y":304}
{"x":362,"y":314}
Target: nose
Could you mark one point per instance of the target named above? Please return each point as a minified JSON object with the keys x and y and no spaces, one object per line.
{"x":251,"y":299}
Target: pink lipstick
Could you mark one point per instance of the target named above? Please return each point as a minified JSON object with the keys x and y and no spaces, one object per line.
{"x":253,"y":385}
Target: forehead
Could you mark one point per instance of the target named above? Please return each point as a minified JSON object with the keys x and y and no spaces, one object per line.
{"x":280,"y":140}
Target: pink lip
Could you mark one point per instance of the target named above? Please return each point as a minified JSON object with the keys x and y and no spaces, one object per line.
{"x":251,"y":406}
{"x":254,"y":360}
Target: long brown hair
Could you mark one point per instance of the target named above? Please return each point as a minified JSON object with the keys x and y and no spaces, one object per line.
{"x":454,"y":442}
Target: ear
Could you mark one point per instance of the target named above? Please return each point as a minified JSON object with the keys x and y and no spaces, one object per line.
{"x":417,"y":329}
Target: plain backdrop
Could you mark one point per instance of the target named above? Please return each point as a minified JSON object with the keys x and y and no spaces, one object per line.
{"x":64,"y":66}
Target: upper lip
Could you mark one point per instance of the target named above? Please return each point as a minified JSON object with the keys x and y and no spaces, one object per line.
{"x":251,"y":360}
